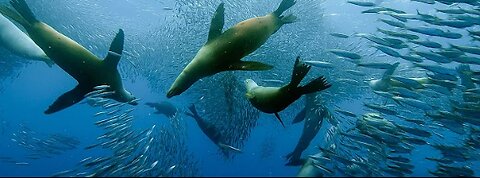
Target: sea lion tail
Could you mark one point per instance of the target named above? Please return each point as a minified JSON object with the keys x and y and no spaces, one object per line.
{"x":24,"y":11}
{"x":285,"y":5}
{"x":13,"y":15}
{"x":318,"y":84}
{"x":300,"y":70}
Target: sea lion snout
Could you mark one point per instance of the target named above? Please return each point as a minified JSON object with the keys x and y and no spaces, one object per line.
{"x":182,"y":83}
{"x":249,"y":84}
{"x":248,"y":81}
{"x":125,"y":97}
{"x":133,"y":102}
{"x":172,"y":92}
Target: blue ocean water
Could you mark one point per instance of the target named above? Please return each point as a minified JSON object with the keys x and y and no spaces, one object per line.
{"x":161,"y":38}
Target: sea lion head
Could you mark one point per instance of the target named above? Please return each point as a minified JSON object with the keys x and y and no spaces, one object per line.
{"x":182,"y":83}
{"x":250,"y":84}
{"x":174,"y":91}
{"x":126,"y":97}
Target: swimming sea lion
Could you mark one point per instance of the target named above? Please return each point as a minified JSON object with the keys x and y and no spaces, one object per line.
{"x":310,"y":168}
{"x":276,"y":99}
{"x":17,"y":42}
{"x":387,"y":82}
{"x":224,"y":51}
{"x":81,"y":64}
{"x":313,"y":114}
{"x":166,"y":108}
{"x":210,"y":130}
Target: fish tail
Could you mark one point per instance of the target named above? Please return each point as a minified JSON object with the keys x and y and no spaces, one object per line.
{"x":285,"y":5}
{"x":300,"y":70}
{"x":24,"y":16}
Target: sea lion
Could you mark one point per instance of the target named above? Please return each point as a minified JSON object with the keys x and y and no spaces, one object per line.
{"x":387,"y":82}
{"x":313,"y":114}
{"x":224,"y":51}
{"x":210,"y":130}
{"x":166,"y":108}
{"x":17,"y":42}
{"x":310,"y":168}
{"x":276,"y":99}
{"x":78,"y":62}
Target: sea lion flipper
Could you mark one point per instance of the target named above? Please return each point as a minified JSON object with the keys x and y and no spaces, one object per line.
{"x":300,"y":70}
{"x":249,"y":66}
{"x":284,"y":5}
{"x":67,"y":99}
{"x":389,"y":72}
{"x":300,"y":116}
{"x":294,"y":159}
{"x":316,"y":85}
{"x":6,"y":11}
{"x":26,"y":15}
{"x":217,"y":23}
{"x":289,"y":19}
{"x":279,"y":119}
{"x":49,"y":62}
{"x":115,"y":51}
